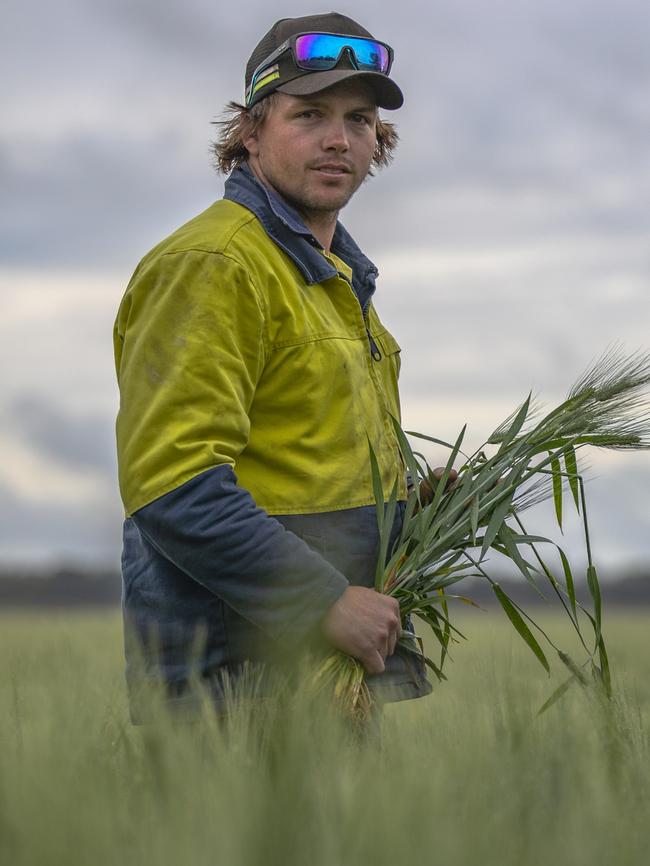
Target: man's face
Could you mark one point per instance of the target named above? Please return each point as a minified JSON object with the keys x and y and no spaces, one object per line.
{"x":315,"y":151}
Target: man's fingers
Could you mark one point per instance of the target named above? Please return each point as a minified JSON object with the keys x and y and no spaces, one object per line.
{"x":396,"y":625}
{"x":398,"y":620}
{"x":426,"y":488}
{"x":439,"y":471}
{"x":374,"y":663}
{"x":395,"y":632}
{"x":425,"y":492}
{"x":365,"y":624}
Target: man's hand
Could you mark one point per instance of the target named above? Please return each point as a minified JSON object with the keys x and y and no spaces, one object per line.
{"x":426,"y":490}
{"x":364,"y":624}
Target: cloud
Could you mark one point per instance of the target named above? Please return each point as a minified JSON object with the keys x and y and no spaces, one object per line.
{"x":519,"y":120}
{"x":510,"y":232}
{"x":36,"y":533}
{"x":184,"y":32}
{"x":105,"y":203}
{"x":76,"y":443}
{"x":498,"y":322}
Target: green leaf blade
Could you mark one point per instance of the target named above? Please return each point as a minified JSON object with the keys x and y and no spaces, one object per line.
{"x":494,"y":524}
{"x":557,"y":694}
{"x":377,"y":487}
{"x":571,"y":466}
{"x":473,"y":517}
{"x":516,"y":619}
{"x":568,"y":580}
{"x":384,"y":538}
{"x":510,"y":539}
{"x":604,"y":667}
{"x":556,"y":469}
{"x":594,"y":590}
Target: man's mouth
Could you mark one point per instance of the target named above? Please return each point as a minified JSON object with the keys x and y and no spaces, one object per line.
{"x":333,"y":169}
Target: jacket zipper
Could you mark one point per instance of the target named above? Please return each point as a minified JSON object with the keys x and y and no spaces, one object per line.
{"x":375,"y":352}
{"x":374,"y":348}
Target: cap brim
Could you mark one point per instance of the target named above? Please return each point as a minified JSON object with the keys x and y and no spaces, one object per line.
{"x":387,"y":92}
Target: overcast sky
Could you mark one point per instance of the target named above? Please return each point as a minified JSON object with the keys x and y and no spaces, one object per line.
{"x":512,"y":231}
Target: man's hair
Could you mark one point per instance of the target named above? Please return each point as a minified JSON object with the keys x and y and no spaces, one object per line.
{"x":241,"y":122}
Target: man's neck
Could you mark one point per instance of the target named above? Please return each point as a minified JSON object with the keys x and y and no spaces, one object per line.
{"x":322,"y":226}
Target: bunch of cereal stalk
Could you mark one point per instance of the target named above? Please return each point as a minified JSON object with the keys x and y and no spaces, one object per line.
{"x":447,"y":535}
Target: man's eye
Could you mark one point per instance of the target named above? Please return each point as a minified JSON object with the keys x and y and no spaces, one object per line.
{"x":360,"y":118}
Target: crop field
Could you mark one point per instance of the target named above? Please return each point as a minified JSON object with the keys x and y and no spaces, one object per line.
{"x":468,"y":775}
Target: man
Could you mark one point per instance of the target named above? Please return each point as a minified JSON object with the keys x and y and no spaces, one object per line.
{"x":253,"y":372}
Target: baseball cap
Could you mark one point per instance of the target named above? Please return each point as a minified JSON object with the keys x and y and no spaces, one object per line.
{"x":288,"y":77}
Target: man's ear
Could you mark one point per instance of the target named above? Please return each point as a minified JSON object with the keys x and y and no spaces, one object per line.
{"x":252,"y":144}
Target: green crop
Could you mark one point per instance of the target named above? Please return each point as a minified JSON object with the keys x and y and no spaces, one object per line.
{"x":526,"y":459}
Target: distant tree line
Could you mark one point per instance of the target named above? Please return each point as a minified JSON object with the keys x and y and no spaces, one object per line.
{"x":70,"y":587}
{"x":63,"y":587}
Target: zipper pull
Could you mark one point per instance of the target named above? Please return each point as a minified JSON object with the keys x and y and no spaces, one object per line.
{"x":374,"y":348}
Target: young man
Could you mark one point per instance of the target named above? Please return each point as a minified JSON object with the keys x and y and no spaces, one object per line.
{"x":253,"y":372}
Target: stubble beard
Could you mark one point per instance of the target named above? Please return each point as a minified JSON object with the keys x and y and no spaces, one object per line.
{"x":312,"y":205}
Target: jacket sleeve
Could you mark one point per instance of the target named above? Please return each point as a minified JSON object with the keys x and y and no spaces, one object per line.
{"x":212,"y":530}
{"x":190,"y":343}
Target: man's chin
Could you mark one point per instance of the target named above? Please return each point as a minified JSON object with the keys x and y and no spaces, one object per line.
{"x":325,"y":206}
{"x":328,"y":200}
{"x":317,"y":200}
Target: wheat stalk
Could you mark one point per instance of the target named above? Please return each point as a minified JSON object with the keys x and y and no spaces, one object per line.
{"x":526,"y":459}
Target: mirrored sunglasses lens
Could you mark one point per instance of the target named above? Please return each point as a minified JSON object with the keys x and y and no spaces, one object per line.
{"x":322,"y":51}
{"x":317,"y":51}
{"x":370,"y":55}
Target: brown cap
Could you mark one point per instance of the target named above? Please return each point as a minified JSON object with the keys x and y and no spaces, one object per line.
{"x":302,"y":82}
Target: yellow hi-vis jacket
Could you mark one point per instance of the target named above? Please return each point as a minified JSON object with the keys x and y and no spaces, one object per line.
{"x":229,"y":353}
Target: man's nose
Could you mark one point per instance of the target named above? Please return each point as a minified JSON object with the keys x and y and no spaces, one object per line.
{"x":336,"y":135}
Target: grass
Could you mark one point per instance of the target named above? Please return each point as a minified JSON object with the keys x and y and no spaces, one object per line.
{"x":468,"y":775}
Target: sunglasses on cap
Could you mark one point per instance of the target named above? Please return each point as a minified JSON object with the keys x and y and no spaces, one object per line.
{"x":315,"y":52}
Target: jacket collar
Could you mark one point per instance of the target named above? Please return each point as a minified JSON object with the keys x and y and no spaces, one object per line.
{"x":285,"y":227}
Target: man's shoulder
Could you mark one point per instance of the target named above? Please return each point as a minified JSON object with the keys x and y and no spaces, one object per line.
{"x":227,"y":233}
{"x":225,"y":239}
{"x":211,"y":231}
